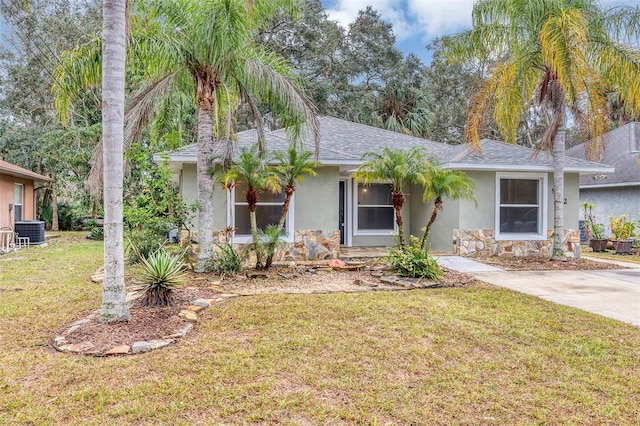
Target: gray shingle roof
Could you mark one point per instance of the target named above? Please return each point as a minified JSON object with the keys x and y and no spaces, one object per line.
{"x":344,"y":143}
{"x":618,"y":154}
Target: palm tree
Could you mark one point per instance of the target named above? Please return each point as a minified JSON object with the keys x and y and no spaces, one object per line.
{"x":565,"y":54}
{"x":252,"y":168}
{"x":397,"y":167}
{"x":291,"y":170}
{"x":440,"y":184}
{"x":206,"y":49}
{"x":114,"y":304}
{"x":405,"y":111}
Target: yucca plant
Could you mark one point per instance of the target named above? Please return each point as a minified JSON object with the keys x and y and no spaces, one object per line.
{"x":162,"y":272}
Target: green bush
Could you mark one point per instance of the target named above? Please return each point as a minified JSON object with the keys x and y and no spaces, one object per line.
{"x":142,"y":242}
{"x":162,"y":272}
{"x":96,"y":232}
{"x":412,"y":261}
{"x":269,"y":241}
{"x":228,"y":261}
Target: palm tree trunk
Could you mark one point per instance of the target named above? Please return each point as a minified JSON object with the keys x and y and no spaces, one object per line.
{"x":55,"y":226}
{"x":397,"y":198}
{"x":114,"y":304}
{"x":254,"y":236}
{"x":557,"y":252}
{"x":288,"y":193}
{"x":437,"y":206}
{"x":205,"y":185}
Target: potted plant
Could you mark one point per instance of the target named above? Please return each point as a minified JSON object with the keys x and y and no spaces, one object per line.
{"x":622,"y":231}
{"x":592,"y":230}
{"x":597,"y":240}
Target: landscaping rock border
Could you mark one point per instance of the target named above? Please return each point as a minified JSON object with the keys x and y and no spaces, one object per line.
{"x":191,"y":314}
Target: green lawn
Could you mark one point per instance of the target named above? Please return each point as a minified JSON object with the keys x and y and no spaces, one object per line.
{"x":450,"y":356}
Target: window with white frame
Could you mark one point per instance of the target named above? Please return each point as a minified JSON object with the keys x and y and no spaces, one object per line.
{"x":521,"y":209}
{"x":268,"y":210}
{"x":374,"y":209}
{"x":18,"y":200}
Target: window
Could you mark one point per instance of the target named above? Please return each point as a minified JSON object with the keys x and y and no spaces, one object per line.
{"x":18,"y":200}
{"x":374,"y":209}
{"x":521,"y":210}
{"x":268,"y":211}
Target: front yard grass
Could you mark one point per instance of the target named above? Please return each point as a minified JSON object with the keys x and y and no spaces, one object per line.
{"x":479,"y":355}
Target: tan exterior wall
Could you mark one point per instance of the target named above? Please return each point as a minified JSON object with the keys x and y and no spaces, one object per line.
{"x":7,"y":191}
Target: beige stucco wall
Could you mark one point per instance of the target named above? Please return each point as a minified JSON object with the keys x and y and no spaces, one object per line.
{"x":316,"y":201}
{"x":189,"y":192}
{"x":465,"y":214}
{"x":316,"y":207}
{"x":7,"y":191}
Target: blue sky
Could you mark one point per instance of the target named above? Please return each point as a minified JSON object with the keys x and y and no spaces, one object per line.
{"x":417,"y":22}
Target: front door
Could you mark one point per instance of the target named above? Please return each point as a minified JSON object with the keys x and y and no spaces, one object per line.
{"x":342,"y":204}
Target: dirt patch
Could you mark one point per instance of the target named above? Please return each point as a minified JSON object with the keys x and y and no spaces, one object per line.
{"x":541,"y":264}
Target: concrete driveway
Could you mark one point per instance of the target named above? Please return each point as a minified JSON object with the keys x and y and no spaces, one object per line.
{"x":611,"y":293}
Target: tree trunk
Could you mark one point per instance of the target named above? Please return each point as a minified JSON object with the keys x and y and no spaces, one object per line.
{"x":397,"y":198}
{"x":557,"y":252}
{"x":205,"y":185}
{"x":55,"y":226}
{"x":254,"y":236}
{"x":114,"y":304}
{"x":437,"y":206}
{"x":288,"y":193}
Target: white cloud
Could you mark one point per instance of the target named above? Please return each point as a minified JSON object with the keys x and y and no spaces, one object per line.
{"x":394,"y":12}
{"x":424,"y":19}
{"x":438,"y":18}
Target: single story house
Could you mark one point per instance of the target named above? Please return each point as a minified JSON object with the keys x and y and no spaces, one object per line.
{"x":17,"y":197}
{"x":513,"y":215}
{"x":615,"y":192}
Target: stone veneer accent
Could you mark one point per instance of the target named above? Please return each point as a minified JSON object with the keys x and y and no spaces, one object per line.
{"x":481,"y":243}
{"x":307,"y":245}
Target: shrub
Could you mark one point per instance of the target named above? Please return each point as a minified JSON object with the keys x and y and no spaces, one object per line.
{"x":621,"y":229}
{"x":228,"y":261}
{"x":269,"y":240}
{"x":412,"y":261}
{"x":142,"y":242}
{"x":162,"y":272}
{"x":96,"y":232}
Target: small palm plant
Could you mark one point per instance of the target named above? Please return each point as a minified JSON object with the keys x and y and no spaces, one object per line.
{"x":162,"y":272}
{"x":270,"y":240}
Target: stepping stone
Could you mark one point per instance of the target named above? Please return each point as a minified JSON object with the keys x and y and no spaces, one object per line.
{"x":256,"y":274}
{"x":228,"y":295}
{"x":195,"y":308}
{"x":118,"y":350}
{"x":189,"y":315}
{"x":77,"y":347}
{"x":205,"y":303}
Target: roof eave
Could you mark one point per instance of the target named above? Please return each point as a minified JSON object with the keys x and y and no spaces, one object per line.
{"x":526,"y":168}
{"x":610,"y":185}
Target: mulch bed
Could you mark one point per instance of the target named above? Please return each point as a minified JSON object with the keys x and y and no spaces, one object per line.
{"x":541,"y":264}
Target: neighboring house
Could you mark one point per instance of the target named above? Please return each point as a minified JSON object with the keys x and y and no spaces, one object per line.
{"x":17,"y":200}
{"x":513,"y":216}
{"x":616,"y":192}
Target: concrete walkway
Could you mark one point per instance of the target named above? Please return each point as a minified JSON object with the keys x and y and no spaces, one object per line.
{"x":610,"y":293}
